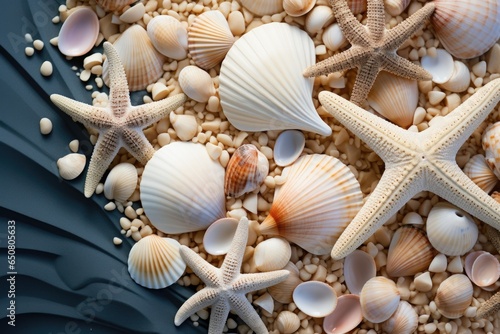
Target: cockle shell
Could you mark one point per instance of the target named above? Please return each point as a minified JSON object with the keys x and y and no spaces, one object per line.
{"x":79,"y":32}
{"x":287,"y":322}
{"x":460,"y":78}
{"x":453,"y":296}
{"x":458,"y":23}
{"x":196,"y":83}
{"x":282,"y":292}
{"x":451,"y":230}
{"x":359,"y":267}
{"x":396,"y":7}
{"x":298,"y":7}
{"x":480,"y":173}
{"x":246,"y":170}
{"x":491,"y":146}
{"x":314,"y":298}
{"x":318,"y":200}
{"x":346,"y":316}
{"x":272,"y":254}
{"x":112,"y":5}
{"x":218,"y":236}
{"x":379,"y":299}
{"x":121,"y":182}
{"x":168,"y":36}
{"x":288,"y":147}
{"x":403,"y":321}
{"x":263,"y":7}
{"x":261,"y":82}
{"x":142,"y":63}
{"x":317,"y":18}
{"x":182,"y":188}
{"x":71,"y":165}
{"x":483,"y":269}
{"x":357,"y":6}
{"x":441,"y":66}
{"x":209,"y":39}
{"x":155,"y":262}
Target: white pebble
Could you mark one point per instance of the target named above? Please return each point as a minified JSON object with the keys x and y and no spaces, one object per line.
{"x":430,"y":328}
{"x":110,"y":206}
{"x":28,"y":38}
{"x":38,"y":44}
{"x":45,"y":126}
{"x":214,"y":151}
{"x":46,"y":68}
{"x":438,"y":264}
{"x":85,"y":75}
{"x":455,"y":265}
{"x":479,"y":69}
{"x":117,"y":241}
{"x":73,"y":145}
{"x":423,"y":282}
{"x":29,"y":51}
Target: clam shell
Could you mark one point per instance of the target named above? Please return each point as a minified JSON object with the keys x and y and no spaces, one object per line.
{"x":298,"y":7}
{"x":410,"y":252}
{"x":282,"y":292}
{"x":359,"y":267}
{"x":460,"y":78}
{"x":112,"y":5}
{"x":218,"y":236}
{"x":182,"y":188}
{"x":71,"y":165}
{"x":317,"y":18}
{"x":403,"y":321}
{"x":346,"y":316}
{"x":357,"y":6}
{"x":209,"y":39}
{"x":143,"y":65}
{"x":395,"y":98}
{"x":288,"y":147}
{"x":261,"y":82}
{"x":185,"y":126}
{"x":491,"y":144}
{"x":441,"y":66}
{"x":155,"y":262}
{"x":480,"y":173}
{"x":266,"y":302}
{"x":287,"y":322}
{"x":483,"y":269}
{"x":313,"y":207}
{"x":333,"y":38}
{"x":79,"y":32}
{"x":263,"y":7}
{"x":168,"y":36}
{"x":246,"y":170}
{"x":272,"y":254}
{"x":196,"y":83}
{"x":451,"y":230}
{"x":396,"y":7}
{"x":314,"y":298}
{"x":453,"y":296}
{"x":121,"y":182}
{"x":379,"y":299}
{"x":134,"y":13}
{"x":459,"y":23}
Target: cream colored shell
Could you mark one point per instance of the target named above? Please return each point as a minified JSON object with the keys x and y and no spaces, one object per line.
{"x":298,"y":7}
{"x":491,"y":146}
{"x":272,"y":254}
{"x":168,"y":36}
{"x":480,"y":173}
{"x":453,"y":296}
{"x":263,"y":7}
{"x":121,"y":182}
{"x":379,"y":299}
{"x":71,"y":165}
{"x":282,"y":292}
{"x":196,"y":83}
{"x":403,"y":321}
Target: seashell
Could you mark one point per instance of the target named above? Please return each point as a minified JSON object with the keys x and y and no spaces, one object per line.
{"x":288,"y":147}
{"x":196,"y":83}
{"x":453,"y":296}
{"x":491,"y":143}
{"x":451,"y":230}
{"x":441,"y":66}
{"x":333,"y":38}
{"x":480,"y":173}
{"x":79,"y":32}
{"x":121,"y":182}
{"x":460,"y":78}
{"x":113,"y":5}
{"x":410,"y":252}
{"x":346,"y":316}
{"x":219,"y":235}
{"x":246,"y":170}
{"x":254,"y":73}
{"x":314,"y":298}
{"x":266,"y":302}
{"x":359,"y":267}
{"x":413,"y":218}
{"x":182,"y":188}
{"x":317,"y":18}
{"x":155,"y":262}
{"x":396,"y":7}
{"x":379,"y":299}
{"x":168,"y":36}
{"x":403,"y":321}
{"x":287,"y":322}
{"x":71,"y":165}
{"x":357,"y":6}
{"x":209,"y":39}
{"x":282,"y":292}
{"x":134,"y":13}
{"x":458,"y":23}
{"x":483,"y":269}
{"x":263,"y":7}
{"x":438,"y":264}
{"x":318,"y":200}
{"x":142,"y":63}
{"x":185,"y":126}
{"x":298,"y":7}
{"x":272,"y":254}
{"x":395,"y":98}
{"x":423,"y":282}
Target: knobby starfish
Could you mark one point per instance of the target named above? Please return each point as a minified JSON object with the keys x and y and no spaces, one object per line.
{"x":226,"y":287}
{"x":119,"y":124}
{"x":373,"y":47}
{"x":415,"y":162}
{"x":492,"y":305}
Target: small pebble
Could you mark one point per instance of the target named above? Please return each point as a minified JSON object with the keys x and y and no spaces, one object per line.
{"x":29,"y":51}
{"x":117,"y":241}
{"x":74,"y":145}
{"x":46,"y":68}
{"x":110,"y":206}
{"x":38,"y":44}
{"x":45,"y":126}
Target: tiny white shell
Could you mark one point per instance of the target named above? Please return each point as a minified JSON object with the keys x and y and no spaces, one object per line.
{"x":218,"y":236}
{"x":168,"y":36}
{"x":453,"y":296}
{"x":333,"y":38}
{"x":460,"y":78}
{"x":185,"y":126}
{"x":403,"y":321}
{"x":298,"y":7}
{"x":196,"y":83}
{"x":441,"y":66}
{"x":71,"y":165}
{"x":288,"y":147}
{"x":134,"y":13}
{"x":272,"y":254}
{"x":346,"y":316}
{"x":480,"y":173}
{"x":379,"y":299}
{"x":121,"y":182}
{"x":287,"y":322}
{"x":317,"y":18}
{"x":396,"y":7}
{"x":359,"y":267}
{"x":79,"y":32}
{"x":314,"y":298}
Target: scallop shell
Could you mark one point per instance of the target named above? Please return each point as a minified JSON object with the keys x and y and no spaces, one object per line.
{"x":143,"y":65}
{"x":282,"y":292}
{"x":288,"y":147}
{"x":491,"y":145}
{"x":263,"y":7}
{"x":121,"y":182}
{"x":209,"y":39}
{"x":182,"y":188}
{"x":79,"y":32}
{"x":480,"y":173}
{"x":287,"y":322}
{"x":314,"y":298}
{"x":451,"y":230}
{"x":168,"y":36}
{"x":261,"y":82}
{"x":346,"y":316}
{"x":460,"y":78}
{"x":71,"y":165}
{"x":359,"y":267}
{"x":441,"y":66}
{"x":298,"y":7}
{"x":246,"y":170}
{"x":317,"y":18}
{"x":272,"y":254}
{"x":155,"y":262}
{"x":379,"y":299}
{"x":396,"y":7}
{"x":403,"y":321}
{"x":483,"y":269}
{"x":196,"y":83}
{"x":313,"y":207}
{"x":410,"y":252}
{"x":395,"y":98}
{"x":357,"y":6}
{"x":453,"y":296}
{"x":218,"y":236}
{"x":113,"y":5}
{"x":467,"y":28}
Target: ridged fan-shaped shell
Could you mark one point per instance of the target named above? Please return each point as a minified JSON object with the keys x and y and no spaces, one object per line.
{"x":112,"y":5}
{"x":357,"y":6}
{"x":121,"y":182}
{"x":480,"y":173}
{"x":453,"y":296}
{"x":71,"y":165}
{"x":168,"y":36}
{"x":298,"y":7}
{"x":491,"y":146}
{"x":282,"y":292}
{"x":287,"y":322}
{"x":403,"y":321}
{"x":379,"y":299}
{"x":263,"y":7}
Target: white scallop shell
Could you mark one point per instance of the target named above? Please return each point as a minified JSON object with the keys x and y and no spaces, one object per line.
{"x":460,"y":78}
{"x":261,"y":82}
{"x":196,"y":83}
{"x":313,"y":207}
{"x":168,"y":36}
{"x":491,"y":145}
{"x":155,"y":262}
{"x":441,"y":66}
{"x":218,"y":236}
{"x":71,"y":165}
{"x":263,"y":7}
{"x":79,"y":32}
{"x":467,"y":28}
{"x":288,"y":147}
{"x":483,"y":269}
{"x":403,"y":321}
{"x":379,"y":299}
{"x":182,"y":188}
{"x":314,"y":298}
{"x":453,"y":296}
{"x":282,"y":292}
{"x":121,"y":182}
{"x":480,"y":173}
{"x":287,"y":322}
{"x":346,"y":316}
{"x":451,"y":230}
{"x":396,"y":7}
{"x":298,"y":7}
{"x":112,"y":5}
{"x":359,"y":267}
{"x":272,"y":254}
{"x":333,"y":38}
{"x":317,"y":18}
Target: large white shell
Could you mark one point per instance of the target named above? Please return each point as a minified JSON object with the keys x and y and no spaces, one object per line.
{"x":359,"y":267}
{"x":272,"y":254}
{"x":467,"y":28}
{"x":155,"y":262}
{"x":451,"y":230}
{"x":182,"y":188}
{"x":491,"y":145}
{"x":313,"y":207}
{"x":196,"y":83}
{"x":71,"y":165}
{"x":288,"y":147}
{"x":219,"y":235}
{"x":314,"y":298}
{"x":403,"y":321}
{"x":480,"y":173}
{"x":379,"y":299}
{"x":346,"y":316}
{"x":261,"y":82}
{"x":460,"y":78}
{"x":263,"y":7}
{"x":79,"y":32}
{"x":453,"y":296}
{"x":441,"y":66}
{"x":121,"y":182}
{"x":283,"y":292}
{"x":483,"y":269}
{"x":168,"y":36}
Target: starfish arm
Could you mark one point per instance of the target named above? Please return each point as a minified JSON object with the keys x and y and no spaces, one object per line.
{"x":247,"y":313}
{"x":399,"y":66}
{"x":118,"y":87}
{"x":353,"y":30}
{"x":197,"y":302}
{"x":204,"y":270}
{"x":149,"y":113}
{"x":376,"y":19}
{"x":489,"y":307}
{"x":341,"y":61}
{"x":493,"y":236}
{"x":93,"y":117}
{"x":231,"y":266}
{"x":257,"y":281}
{"x":218,"y":316}
{"x":367,"y":74}
{"x":136,"y":143}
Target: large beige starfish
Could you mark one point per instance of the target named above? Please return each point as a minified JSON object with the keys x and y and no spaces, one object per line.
{"x":373,"y":47}
{"x":226,"y":287}
{"x":120,"y":124}
{"x":415,"y":162}
{"x":492,"y":305}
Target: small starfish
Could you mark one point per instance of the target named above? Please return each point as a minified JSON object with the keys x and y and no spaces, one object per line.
{"x":415,"y":162}
{"x":492,"y":305}
{"x":120,"y":124}
{"x":226,"y":287}
{"x":373,"y":47}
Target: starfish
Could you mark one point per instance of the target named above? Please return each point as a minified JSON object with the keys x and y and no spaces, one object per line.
{"x":415,"y":162}
{"x":492,"y":305}
{"x":226,"y":287}
{"x":120,"y":124}
{"x":373,"y":47}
